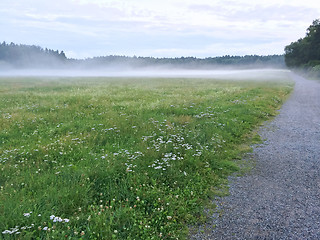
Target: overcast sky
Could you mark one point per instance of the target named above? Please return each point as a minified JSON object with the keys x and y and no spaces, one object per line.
{"x":164,"y":28}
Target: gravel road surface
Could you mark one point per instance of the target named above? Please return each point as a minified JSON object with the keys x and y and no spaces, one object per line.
{"x":280,"y":197}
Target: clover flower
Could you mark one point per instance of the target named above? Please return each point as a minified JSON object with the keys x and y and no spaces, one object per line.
{"x":58,"y":219}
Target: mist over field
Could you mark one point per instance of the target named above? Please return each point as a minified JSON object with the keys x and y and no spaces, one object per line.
{"x":26,"y":60}
{"x":232,"y":74}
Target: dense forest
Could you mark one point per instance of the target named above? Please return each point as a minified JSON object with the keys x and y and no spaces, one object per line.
{"x":26,"y":56}
{"x":248,"y":61}
{"x":305,"y":52}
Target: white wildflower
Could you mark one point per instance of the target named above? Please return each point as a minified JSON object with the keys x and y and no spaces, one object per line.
{"x":27,"y":214}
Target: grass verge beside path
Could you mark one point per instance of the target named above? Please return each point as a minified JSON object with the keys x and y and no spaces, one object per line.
{"x":121,"y":158}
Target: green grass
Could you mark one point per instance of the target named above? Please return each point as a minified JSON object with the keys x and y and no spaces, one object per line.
{"x":121,"y":158}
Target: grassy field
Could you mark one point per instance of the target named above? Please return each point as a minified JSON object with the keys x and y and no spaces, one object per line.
{"x":121,"y":158}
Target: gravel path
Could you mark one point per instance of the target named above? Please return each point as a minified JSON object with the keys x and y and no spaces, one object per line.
{"x":280,"y":198}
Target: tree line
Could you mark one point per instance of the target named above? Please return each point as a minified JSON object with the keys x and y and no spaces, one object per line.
{"x":23,"y":56}
{"x":305,"y":52}
{"x":192,"y":62}
{"x":31,"y":56}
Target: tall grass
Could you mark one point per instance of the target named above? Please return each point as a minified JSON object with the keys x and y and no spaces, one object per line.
{"x":120,"y":158}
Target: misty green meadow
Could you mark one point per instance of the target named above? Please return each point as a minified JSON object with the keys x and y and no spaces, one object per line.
{"x":121,"y":158}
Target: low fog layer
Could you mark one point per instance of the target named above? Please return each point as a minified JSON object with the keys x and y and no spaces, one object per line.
{"x":22,"y":59}
{"x":248,"y":74}
{"x":26,"y":60}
